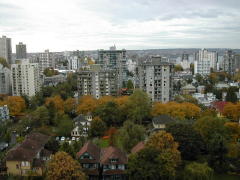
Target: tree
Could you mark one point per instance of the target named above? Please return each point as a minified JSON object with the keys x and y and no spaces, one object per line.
{"x":52,"y":145}
{"x":139,"y":107}
{"x":50,"y":72}
{"x":158,"y":159}
{"x":180,"y":111}
{"x":40,"y":117}
{"x":232,"y":111}
{"x":178,"y":68}
{"x":109,"y":113}
{"x":190,"y":142}
{"x":97,"y":127}
{"x":16,"y":105}
{"x":63,"y":166}
{"x":69,"y":105}
{"x":199,"y":78}
{"x":57,"y":102}
{"x":87,"y":104}
{"x":130,"y":84}
{"x":65,"y":125}
{"x":231,"y":95}
{"x":199,"y":171}
{"x":4,"y":62}
{"x":130,"y":134}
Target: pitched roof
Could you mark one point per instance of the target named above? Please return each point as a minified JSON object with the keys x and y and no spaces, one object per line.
{"x":113,"y":153}
{"x":92,"y":149}
{"x":219,"y":105}
{"x":138,"y":147}
{"x":189,"y":86}
{"x":28,"y":149}
{"x":80,"y":118}
{"x":162,"y":119}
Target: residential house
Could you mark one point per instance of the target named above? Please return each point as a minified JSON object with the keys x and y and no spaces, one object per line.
{"x":160,"y":122}
{"x":103,"y":163}
{"x":29,"y":157}
{"x":138,"y":147}
{"x":219,"y":106}
{"x":89,"y":157}
{"x":81,"y":125}
{"x":188,"y":89}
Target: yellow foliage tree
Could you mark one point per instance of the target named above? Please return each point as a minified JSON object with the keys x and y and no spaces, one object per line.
{"x":232,"y":111}
{"x":57,"y":102}
{"x":16,"y":105}
{"x":164,"y":143}
{"x":69,"y":105}
{"x":63,"y":166}
{"x":122,"y":102}
{"x":178,"y":110}
{"x":87,"y":104}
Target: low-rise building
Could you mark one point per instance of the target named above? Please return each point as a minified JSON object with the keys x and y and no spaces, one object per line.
{"x":205,"y":99}
{"x":29,"y":157}
{"x":105,"y":163}
{"x":160,"y":122}
{"x":188,"y":89}
{"x":54,"y":80}
{"x":81,"y":125}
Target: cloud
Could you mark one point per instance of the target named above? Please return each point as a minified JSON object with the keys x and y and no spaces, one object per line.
{"x":93,"y":24}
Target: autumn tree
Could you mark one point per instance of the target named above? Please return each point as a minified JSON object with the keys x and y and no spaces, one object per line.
{"x":130,"y":134}
{"x":97,"y":127}
{"x":69,"y":105}
{"x":139,"y":106}
{"x":57,"y":102}
{"x":178,"y":68}
{"x":104,"y":100}
{"x":232,"y":111}
{"x":180,"y":111}
{"x":190,"y":142}
{"x":196,"y":170}
{"x":4,"y":62}
{"x":16,"y":105}
{"x":50,"y":72}
{"x":158,"y":159}
{"x":63,"y":166}
{"x":87,"y":104}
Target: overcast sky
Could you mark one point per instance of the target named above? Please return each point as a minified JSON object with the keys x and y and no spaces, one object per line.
{"x":60,"y":25}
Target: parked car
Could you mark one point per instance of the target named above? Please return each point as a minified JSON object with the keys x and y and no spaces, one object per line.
{"x":73,"y":138}
{"x":63,"y":138}
{"x":57,"y":138}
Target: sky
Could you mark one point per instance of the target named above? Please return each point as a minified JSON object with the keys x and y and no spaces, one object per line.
{"x":60,"y":25}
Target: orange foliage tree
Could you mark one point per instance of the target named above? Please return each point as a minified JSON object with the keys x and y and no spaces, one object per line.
{"x":87,"y":104}
{"x":57,"y":102}
{"x":105,"y":99}
{"x":232,"y":111}
{"x":69,"y":105}
{"x":16,"y":105}
{"x":180,"y":111}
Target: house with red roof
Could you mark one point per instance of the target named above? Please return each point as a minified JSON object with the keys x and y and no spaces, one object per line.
{"x":103,"y":163}
{"x":219,"y":106}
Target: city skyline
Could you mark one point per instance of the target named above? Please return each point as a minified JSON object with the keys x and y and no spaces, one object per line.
{"x":137,"y":24}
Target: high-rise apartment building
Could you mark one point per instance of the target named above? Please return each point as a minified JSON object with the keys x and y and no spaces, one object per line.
{"x":6,"y":49}
{"x":205,"y":61}
{"x":25,"y":78}
{"x":97,"y":81}
{"x":155,"y":78}
{"x":4,"y":113}
{"x":46,"y":61}
{"x":21,"y":51}
{"x":185,"y":61}
{"x":5,"y":80}
{"x":114,"y":59}
{"x":231,"y":62}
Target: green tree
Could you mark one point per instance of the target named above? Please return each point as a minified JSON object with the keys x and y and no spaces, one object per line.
{"x":199,"y":78}
{"x":109,"y":113}
{"x":198,"y":171}
{"x":149,"y":164}
{"x":190,"y":142}
{"x":97,"y":127}
{"x":130,"y":84}
{"x":40,"y":116}
{"x":139,"y":107}
{"x":63,"y":166}
{"x":52,"y":145}
{"x":231,"y":95}
{"x":178,"y":68}
{"x":66,"y":147}
{"x":4,"y":62}
{"x":65,"y":125}
{"x":130,"y":134}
